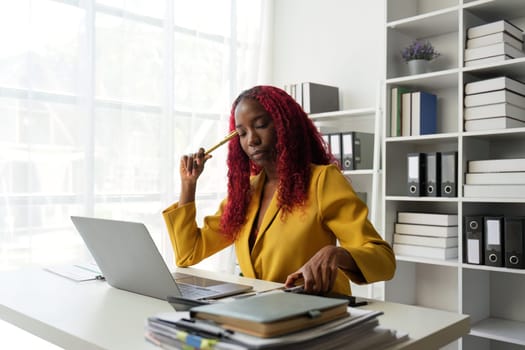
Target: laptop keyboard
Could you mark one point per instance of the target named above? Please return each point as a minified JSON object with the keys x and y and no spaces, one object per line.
{"x":193,"y":292}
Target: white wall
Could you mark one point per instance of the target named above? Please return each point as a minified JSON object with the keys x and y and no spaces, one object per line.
{"x":335,"y":42}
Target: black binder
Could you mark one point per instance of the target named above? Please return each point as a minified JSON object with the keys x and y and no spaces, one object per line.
{"x":433,"y":183}
{"x":416,"y":171}
{"x":473,"y":246}
{"x":514,"y":242}
{"x":493,"y":227}
{"x":449,"y":174}
{"x":357,"y":150}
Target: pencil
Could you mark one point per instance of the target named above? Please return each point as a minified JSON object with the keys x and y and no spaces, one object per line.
{"x":226,"y":139}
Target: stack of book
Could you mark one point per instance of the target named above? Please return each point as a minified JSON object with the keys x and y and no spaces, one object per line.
{"x":503,"y":178}
{"x":314,"y":97}
{"x":412,"y":113}
{"x":496,"y":103}
{"x":493,"y":42}
{"x":426,"y":235}
{"x":275,"y":320}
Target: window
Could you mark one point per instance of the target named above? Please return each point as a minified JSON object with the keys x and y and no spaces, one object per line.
{"x":98,"y":101}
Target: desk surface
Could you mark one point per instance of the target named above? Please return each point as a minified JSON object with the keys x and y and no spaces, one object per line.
{"x":93,"y":315}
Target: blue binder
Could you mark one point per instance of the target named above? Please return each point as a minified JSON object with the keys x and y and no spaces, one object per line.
{"x":424,"y":113}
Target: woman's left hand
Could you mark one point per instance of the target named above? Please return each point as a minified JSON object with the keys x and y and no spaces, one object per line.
{"x":319,"y":273}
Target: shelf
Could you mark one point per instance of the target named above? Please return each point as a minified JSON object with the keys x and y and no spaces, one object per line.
{"x":450,"y":262}
{"x":492,"y":200}
{"x":423,"y":139}
{"x":491,"y":10}
{"x":493,"y":269}
{"x":360,"y":172}
{"x":513,"y":68}
{"x":361,"y":112}
{"x":500,"y":329}
{"x":422,"y":199}
{"x":491,"y":295}
{"x":428,"y":24}
{"x":434,"y":80}
{"x":503,"y":134}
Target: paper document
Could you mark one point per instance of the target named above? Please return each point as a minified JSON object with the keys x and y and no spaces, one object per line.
{"x":77,"y":272}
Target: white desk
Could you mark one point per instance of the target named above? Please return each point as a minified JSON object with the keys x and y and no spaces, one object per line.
{"x":93,"y":315}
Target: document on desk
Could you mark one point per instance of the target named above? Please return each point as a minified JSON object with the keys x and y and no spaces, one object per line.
{"x":360,"y":330}
{"x":77,"y":272}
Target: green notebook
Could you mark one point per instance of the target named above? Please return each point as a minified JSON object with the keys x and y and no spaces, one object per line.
{"x":273,"y":314}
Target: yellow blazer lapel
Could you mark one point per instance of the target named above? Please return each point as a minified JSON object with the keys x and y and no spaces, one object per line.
{"x":243,"y":246}
{"x":269,"y":216}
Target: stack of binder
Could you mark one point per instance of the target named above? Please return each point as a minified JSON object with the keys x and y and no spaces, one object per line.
{"x":426,"y":235}
{"x":353,"y":150}
{"x":503,"y":178}
{"x":495,"y":240}
{"x":493,"y":42}
{"x":496,"y":103}
{"x":432,"y":174}
{"x":357,"y":329}
{"x":314,"y":97}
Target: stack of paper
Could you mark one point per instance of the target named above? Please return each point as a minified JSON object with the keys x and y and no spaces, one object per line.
{"x":496,"y":103}
{"x":493,"y":42}
{"x":359,"y":329}
{"x":426,"y":235}
{"x":503,"y":178}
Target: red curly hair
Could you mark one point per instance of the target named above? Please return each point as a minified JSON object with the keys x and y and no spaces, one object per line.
{"x":299,"y":144}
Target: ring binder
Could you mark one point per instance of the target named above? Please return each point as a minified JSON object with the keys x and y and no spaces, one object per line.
{"x":474,"y":242}
{"x":514,"y":242}
{"x":416,"y":169}
{"x":493,"y":240}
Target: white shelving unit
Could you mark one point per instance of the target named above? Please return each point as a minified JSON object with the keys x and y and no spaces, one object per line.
{"x":493,"y":297}
{"x":363,"y":180}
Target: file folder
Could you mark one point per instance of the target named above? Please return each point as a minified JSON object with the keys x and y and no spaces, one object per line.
{"x":514,"y":242}
{"x":433,"y":183}
{"x":335,"y":147}
{"x":357,"y":150}
{"x":348,"y":142}
{"x":473,"y":242}
{"x":449,"y":174}
{"x":493,"y":227}
{"x":416,"y":170}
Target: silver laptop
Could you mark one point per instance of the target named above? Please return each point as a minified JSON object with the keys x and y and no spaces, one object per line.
{"x":129,"y":260}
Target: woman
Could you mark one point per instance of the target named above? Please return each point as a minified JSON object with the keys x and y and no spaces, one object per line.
{"x":287,"y":205}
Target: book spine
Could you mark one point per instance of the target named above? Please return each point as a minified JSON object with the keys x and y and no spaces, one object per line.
{"x":437,"y":242}
{"x":425,"y":252}
{"x":493,"y":124}
{"x":496,"y":165}
{"x":500,"y":96}
{"x":501,"y":191}
{"x":511,"y":178}
{"x":427,"y":219}
{"x":487,"y":60}
{"x":495,"y":38}
{"x":492,"y":50}
{"x":406,"y":107}
{"x":495,"y":27}
{"x":494,"y":111}
{"x":426,"y":230}
{"x":495,"y":84}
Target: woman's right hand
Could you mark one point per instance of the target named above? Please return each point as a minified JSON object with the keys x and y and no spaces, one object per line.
{"x":192,"y":166}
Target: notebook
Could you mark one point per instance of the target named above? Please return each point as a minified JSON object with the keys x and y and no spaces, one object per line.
{"x":273,"y":314}
{"x":129,"y":260}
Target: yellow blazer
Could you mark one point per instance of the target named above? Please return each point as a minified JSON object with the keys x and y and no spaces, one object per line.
{"x":332,"y":213}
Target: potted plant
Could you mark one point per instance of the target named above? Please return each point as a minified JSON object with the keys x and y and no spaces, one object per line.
{"x":417,"y":55}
